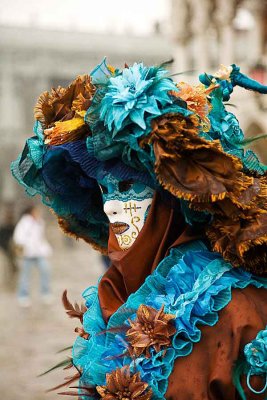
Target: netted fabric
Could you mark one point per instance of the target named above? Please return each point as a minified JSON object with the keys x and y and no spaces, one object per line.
{"x":66,"y":178}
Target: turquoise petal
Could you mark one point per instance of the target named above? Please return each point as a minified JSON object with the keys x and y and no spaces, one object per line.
{"x":100,"y":74}
{"x":137,"y":116}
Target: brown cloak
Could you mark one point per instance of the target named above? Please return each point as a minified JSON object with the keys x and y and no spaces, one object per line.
{"x":206,"y":374}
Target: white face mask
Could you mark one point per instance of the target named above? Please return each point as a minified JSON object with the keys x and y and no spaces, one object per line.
{"x":126,"y":205}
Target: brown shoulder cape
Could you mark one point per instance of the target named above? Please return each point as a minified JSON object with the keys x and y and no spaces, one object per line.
{"x":206,"y":374}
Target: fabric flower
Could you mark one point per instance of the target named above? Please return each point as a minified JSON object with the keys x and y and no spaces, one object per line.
{"x":61,"y":112}
{"x":224,"y":72}
{"x":152,"y":328}
{"x":197,"y":101}
{"x":242,"y":241}
{"x":135,"y":92}
{"x":256,"y":353}
{"x":189,"y":166}
{"x":121,"y":384}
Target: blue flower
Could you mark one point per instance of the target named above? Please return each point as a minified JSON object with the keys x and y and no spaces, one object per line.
{"x":256,"y":353}
{"x":123,"y":109}
{"x":134,"y":92}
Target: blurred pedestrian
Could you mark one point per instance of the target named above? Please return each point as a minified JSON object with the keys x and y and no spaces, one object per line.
{"x":29,"y":237}
{"x":6,"y":243}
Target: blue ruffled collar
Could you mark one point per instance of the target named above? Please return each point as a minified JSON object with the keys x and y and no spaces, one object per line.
{"x":192,"y":283}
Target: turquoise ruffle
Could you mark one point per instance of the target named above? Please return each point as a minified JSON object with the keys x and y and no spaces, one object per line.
{"x":192,"y":283}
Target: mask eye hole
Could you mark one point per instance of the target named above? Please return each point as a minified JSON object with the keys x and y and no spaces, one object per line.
{"x":124,"y":186}
{"x":103,"y":189}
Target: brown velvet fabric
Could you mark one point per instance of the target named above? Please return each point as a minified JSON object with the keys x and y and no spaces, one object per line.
{"x":206,"y":374}
{"x":164,"y":228}
{"x":191,"y":167}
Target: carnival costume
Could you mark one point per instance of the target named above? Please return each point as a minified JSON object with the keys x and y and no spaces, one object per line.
{"x":181,"y":313}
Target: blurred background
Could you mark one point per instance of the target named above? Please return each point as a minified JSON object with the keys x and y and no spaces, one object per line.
{"x":46,"y":44}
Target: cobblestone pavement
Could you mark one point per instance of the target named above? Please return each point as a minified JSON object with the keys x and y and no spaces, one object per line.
{"x":30,"y":338}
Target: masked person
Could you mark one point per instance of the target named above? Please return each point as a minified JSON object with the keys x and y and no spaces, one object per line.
{"x":154,"y":174}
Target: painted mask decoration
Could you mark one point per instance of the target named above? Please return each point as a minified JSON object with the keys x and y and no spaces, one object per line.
{"x":126,"y":204}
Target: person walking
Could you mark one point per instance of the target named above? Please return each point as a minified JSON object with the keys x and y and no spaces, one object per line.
{"x":6,"y":245}
{"x":29,"y":237}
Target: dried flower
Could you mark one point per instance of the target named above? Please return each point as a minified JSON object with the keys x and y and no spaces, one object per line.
{"x":75,"y":311}
{"x":224,"y":72}
{"x":61,"y":112}
{"x":61,"y":103}
{"x":122,"y":385}
{"x":152,"y":328}
{"x":82,"y":392}
{"x":81,"y":332}
{"x":196,"y":100}
{"x":67,"y":381}
{"x":173,"y":128}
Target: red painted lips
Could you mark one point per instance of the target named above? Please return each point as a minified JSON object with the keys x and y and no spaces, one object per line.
{"x":119,"y":227}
